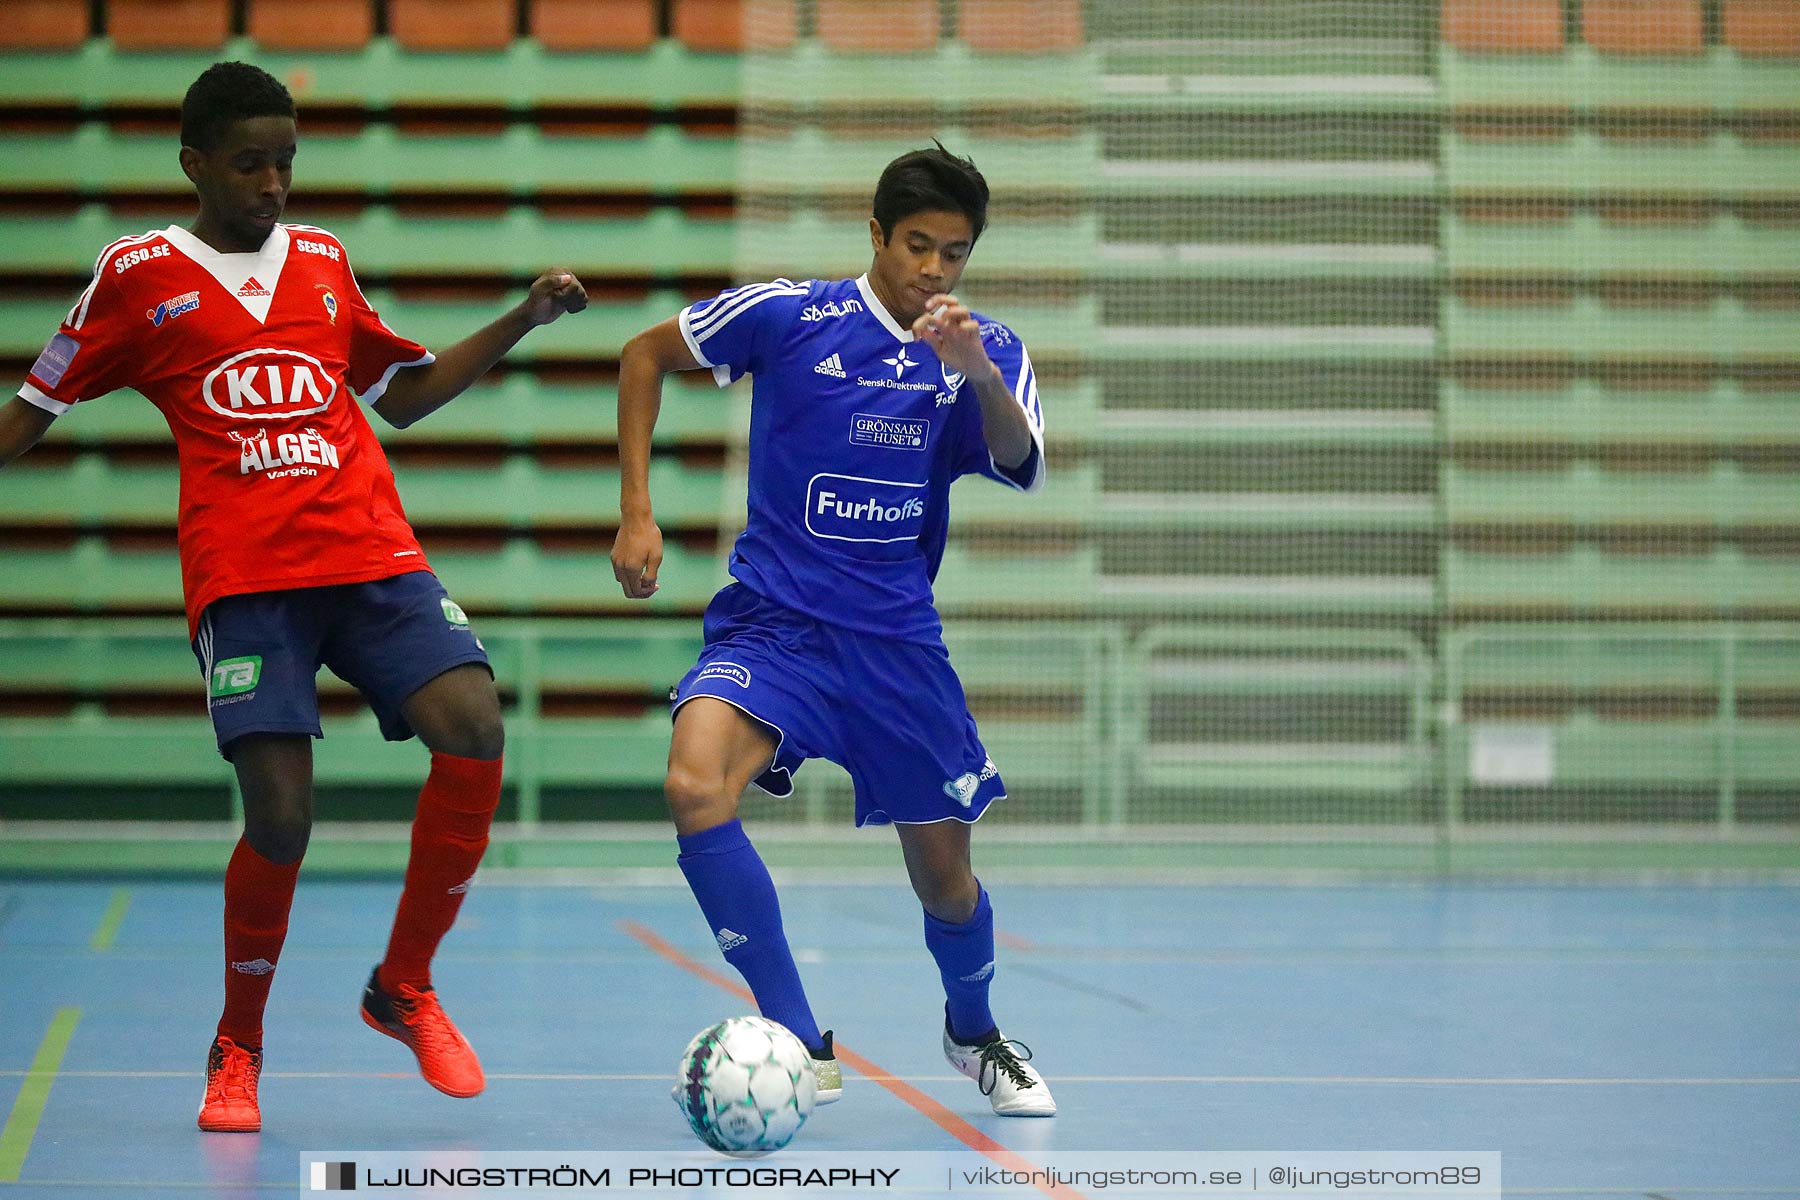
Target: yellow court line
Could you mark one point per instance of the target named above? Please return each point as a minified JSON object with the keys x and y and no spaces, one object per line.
{"x":34,"y":1094}
{"x":108,"y":930}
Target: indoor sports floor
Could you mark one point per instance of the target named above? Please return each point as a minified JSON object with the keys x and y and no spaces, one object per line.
{"x":1609,"y":1041}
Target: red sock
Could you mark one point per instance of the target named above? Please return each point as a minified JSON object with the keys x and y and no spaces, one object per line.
{"x":258,"y":895}
{"x":449,"y":835}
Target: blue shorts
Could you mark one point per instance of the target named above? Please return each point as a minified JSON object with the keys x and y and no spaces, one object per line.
{"x":387,"y":638}
{"x":892,"y":713}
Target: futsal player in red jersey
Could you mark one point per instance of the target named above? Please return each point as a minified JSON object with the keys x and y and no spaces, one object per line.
{"x":254,"y":340}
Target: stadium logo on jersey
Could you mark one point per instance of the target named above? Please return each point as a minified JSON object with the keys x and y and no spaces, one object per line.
{"x":728,"y":940}
{"x":962,"y":789}
{"x":454,"y":614}
{"x":831,"y":366}
{"x":832,"y":308}
{"x":849,"y":508}
{"x":890,"y":433}
{"x":132,"y":258}
{"x":252,"y":289}
{"x":288,"y":454}
{"x":900,"y":363}
{"x":254,"y":966}
{"x":58,"y":353}
{"x":234,"y":676}
{"x":725,"y":670}
{"x":173,"y":307}
{"x":329,"y":301}
{"x":267,"y":385}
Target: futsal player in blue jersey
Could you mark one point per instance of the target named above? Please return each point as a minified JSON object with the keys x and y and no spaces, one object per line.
{"x":871,"y":395}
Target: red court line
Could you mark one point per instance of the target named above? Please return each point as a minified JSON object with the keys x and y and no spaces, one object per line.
{"x":930,"y":1109}
{"x":1013,"y":941}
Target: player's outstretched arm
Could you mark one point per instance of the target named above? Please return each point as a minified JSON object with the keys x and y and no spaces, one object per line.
{"x":419,"y":391}
{"x":22,"y":423}
{"x":637,"y":550}
{"x":951,"y":330}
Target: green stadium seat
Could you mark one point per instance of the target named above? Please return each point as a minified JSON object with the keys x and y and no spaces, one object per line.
{"x":1724,"y":248}
{"x":1584,"y":165}
{"x":598,"y":336}
{"x":524,"y":75}
{"x":1622,"y":661}
{"x":1645,"y":27}
{"x":1585,"y":415}
{"x":1586,"y":80}
{"x":1588,"y":582}
{"x":1724,"y":497}
{"x":520,"y":494}
{"x":1656,"y":756}
{"x":520,"y":579}
{"x":1724,"y":331}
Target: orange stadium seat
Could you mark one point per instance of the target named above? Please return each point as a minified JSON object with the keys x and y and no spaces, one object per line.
{"x":310,"y":24}
{"x":1020,"y":26}
{"x":877,"y":25}
{"x":1763,"y":27}
{"x":453,"y":24}
{"x":1517,"y":27}
{"x":594,"y":24}
{"x":731,"y":25}
{"x":44,"y":25}
{"x":168,"y":24}
{"x":1643,"y":26}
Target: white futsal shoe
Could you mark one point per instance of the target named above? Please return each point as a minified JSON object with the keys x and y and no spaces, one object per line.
{"x":1002,"y":1068}
{"x":827,"y":1074}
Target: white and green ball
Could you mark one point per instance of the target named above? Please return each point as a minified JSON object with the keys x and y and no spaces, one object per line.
{"x":745,"y":1086}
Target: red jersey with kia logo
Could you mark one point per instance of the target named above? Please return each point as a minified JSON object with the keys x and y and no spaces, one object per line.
{"x":256,"y":361}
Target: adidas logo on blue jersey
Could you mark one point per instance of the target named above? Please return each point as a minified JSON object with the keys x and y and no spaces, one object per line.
{"x":832,"y":366}
{"x":729,"y":940}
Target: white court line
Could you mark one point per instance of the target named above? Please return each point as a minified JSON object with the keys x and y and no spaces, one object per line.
{"x":1349,"y":1080}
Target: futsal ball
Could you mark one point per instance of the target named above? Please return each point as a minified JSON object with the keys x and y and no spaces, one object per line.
{"x":746,"y":1086}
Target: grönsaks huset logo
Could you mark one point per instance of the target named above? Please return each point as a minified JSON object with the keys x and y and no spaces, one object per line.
{"x":889,"y":433}
{"x":453,"y":613}
{"x":333,"y":1177}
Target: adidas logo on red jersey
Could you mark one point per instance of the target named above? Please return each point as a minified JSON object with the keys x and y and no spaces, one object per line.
{"x":253,"y":288}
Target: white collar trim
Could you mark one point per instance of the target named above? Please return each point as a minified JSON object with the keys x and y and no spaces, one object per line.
{"x":880,"y":310}
{"x":233,"y":271}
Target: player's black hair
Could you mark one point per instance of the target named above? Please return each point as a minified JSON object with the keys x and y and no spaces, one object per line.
{"x":225,"y":93}
{"x":933,"y":180}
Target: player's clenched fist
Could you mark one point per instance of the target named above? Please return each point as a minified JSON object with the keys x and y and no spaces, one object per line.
{"x":637,"y":556}
{"x":552,"y":294}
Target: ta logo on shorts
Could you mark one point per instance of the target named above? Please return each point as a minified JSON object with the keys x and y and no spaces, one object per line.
{"x":454,"y":614}
{"x":234,"y":676}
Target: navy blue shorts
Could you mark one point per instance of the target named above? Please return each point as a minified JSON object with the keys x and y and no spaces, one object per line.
{"x":260,"y":652}
{"x":892,"y":713}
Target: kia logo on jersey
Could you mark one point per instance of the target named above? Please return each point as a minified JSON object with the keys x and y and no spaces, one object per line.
{"x":267,"y":385}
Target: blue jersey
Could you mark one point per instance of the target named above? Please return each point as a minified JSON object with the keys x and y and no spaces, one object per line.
{"x":856,"y":433}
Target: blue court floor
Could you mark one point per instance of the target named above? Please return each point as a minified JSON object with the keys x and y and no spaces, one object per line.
{"x":1608,"y":1041}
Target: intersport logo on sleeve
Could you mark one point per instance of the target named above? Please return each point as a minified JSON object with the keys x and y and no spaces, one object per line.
{"x":850,"y":508}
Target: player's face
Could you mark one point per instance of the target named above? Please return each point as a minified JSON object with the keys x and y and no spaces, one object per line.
{"x":925,"y":256}
{"x":243,"y":181}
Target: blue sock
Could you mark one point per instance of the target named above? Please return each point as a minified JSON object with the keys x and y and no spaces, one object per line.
{"x":731,"y":883}
{"x":965,"y":959}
